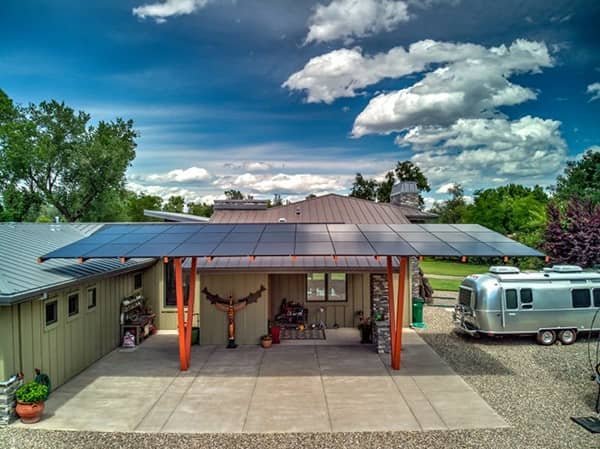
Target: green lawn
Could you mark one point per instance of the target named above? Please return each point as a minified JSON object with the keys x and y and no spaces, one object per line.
{"x":445,"y":284}
{"x":451,"y":268}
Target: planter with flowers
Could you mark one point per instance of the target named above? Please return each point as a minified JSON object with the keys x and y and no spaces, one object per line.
{"x":30,"y":401}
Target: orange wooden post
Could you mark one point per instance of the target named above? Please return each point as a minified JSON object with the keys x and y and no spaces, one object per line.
{"x":391,"y":312}
{"x":180,"y":312}
{"x":190,"y":311}
{"x":400,"y":313}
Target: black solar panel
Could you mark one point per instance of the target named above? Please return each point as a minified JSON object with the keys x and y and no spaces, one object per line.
{"x":284,"y":239}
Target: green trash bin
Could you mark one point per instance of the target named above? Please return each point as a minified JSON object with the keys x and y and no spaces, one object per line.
{"x":195,"y":335}
{"x":417,"y":312}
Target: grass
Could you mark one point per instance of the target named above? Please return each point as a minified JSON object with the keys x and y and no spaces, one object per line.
{"x":445,"y":284}
{"x":451,"y":268}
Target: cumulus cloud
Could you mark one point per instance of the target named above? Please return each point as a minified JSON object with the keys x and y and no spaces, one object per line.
{"x":349,"y":19}
{"x":166,"y":192}
{"x":282,"y":183}
{"x":475,"y":151}
{"x":472,"y":87}
{"x":192,"y":174}
{"x":160,"y":11}
{"x":445,"y":188}
{"x":594,"y":90}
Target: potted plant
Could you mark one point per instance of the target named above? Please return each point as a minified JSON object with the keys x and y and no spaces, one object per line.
{"x":30,"y":401}
{"x":266,"y":341}
{"x":366,"y":330}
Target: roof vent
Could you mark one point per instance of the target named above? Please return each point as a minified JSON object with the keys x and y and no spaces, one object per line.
{"x":565,"y":269}
{"x":282,"y":220}
{"x":298,"y":210}
{"x":503,"y":269}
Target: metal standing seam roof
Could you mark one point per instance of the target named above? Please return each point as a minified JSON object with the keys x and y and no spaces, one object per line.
{"x":286,"y":239}
{"x":331,"y":208}
{"x":20,"y":245}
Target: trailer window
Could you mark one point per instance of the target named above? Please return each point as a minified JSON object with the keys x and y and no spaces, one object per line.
{"x":511,"y":299}
{"x":526,"y":296}
{"x":581,"y":297}
{"x":597,"y":297}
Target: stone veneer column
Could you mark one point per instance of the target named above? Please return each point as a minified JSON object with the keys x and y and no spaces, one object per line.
{"x":380,"y":306}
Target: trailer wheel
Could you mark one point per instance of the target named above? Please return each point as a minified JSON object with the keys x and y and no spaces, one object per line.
{"x":546,"y":337}
{"x":567,"y":336}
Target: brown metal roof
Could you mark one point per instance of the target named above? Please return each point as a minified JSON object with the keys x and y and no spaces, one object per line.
{"x":331,"y":208}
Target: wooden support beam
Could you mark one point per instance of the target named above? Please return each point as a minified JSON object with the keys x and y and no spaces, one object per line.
{"x":402,"y":272}
{"x":177,"y":266}
{"x":391,"y":311}
{"x":190,"y":311}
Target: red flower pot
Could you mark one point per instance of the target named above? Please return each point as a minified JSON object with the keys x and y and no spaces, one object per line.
{"x":30,"y":412}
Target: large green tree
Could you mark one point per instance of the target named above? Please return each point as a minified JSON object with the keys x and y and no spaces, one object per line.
{"x":581,"y":179}
{"x":200,"y":209}
{"x":51,"y":151}
{"x":452,"y":210}
{"x":364,"y":188}
{"x":138,"y":202}
{"x":174,"y":204}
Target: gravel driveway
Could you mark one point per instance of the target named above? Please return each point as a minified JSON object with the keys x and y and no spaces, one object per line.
{"x":536,"y":389}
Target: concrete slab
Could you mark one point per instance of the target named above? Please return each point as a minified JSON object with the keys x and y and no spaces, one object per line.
{"x":288,"y":388}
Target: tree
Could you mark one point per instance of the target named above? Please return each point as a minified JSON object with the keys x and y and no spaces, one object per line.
{"x":138,"y":202}
{"x":384,"y":189}
{"x":310,"y":196}
{"x":234,"y":194}
{"x":174,"y":204}
{"x":573,"y":236}
{"x":452,"y":210}
{"x":364,"y":188}
{"x":51,"y":151}
{"x":581,"y":179}
{"x":200,"y":209}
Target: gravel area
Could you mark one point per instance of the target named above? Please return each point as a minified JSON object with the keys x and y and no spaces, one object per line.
{"x":536,"y":389}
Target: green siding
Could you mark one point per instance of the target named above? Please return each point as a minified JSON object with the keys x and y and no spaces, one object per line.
{"x":9,"y":341}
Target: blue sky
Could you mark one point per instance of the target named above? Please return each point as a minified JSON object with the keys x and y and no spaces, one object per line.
{"x":295,"y":97}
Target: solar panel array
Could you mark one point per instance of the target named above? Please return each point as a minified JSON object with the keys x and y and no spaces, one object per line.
{"x":284,"y":239}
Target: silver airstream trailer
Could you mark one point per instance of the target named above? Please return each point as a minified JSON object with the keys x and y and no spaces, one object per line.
{"x":558,"y":302}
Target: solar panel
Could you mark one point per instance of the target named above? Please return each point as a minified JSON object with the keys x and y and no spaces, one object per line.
{"x":118,"y":229}
{"x":374,"y":228}
{"x":184,"y":228}
{"x":348,"y":237}
{"x":302,"y":228}
{"x":470,"y":227}
{"x":214,"y":228}
{"x":314,"y":249}
{"x":394,"y":248}
{"x":406,"y":227}
{"x":151,"y":229}
{"x":255,"y":228}
{"x":434,"y":249}
{"x":169,"y":238}
{"x":418,"y":236}
{"x":280,"y":227}
{"x":274,"y":249}
{"x":490,"y":237}
{"x":73,"y":250}
{"x":193,"y":249}
{"x":111,"y":250}
{"x":312,"y":237}
{"x":474,"y":249}
{"x":353,"y":248}
{"x":233,"y":249}
{"x":437,"y":227}
{"x":133,"y":238}
{"x":342,"y":228}
{"x":277,"y":237}
{"x":151,"y":250}
{"x":454,"y":237}
{"x":383,"y":237}
{"x":515,"y":249}
{"x":207,"y":237}
{"x":101,"y":238}
{"x":243,"y":237}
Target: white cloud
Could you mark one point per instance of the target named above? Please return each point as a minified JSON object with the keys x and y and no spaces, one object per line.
{"x":160,"y":11}
{"x":478,"y":152}
{"x":165,"y":193}
{"x":192,"y":174}
{"x":594,"y":90}
{"x":472,"y":87}
{"x":444,"y":188}
{"x":283,"y":183}
{"x":349,"y":19}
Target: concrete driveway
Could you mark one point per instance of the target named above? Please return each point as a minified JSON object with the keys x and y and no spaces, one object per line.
{"x":282,"y":389}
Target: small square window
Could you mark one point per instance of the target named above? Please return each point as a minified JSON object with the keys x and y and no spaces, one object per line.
{"x":51,"y":312}
{"x":137,"y":281}
{"x":581,"y":297}
{"x":526,"y":296}
{"x":73,"y":301}
{"x":91,"y":298}
{"x":315,"y":287}
{"x":511,"y":299}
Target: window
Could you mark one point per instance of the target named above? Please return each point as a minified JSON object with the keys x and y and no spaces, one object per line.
{"x":73,"y":301}
{"x":170,"y":295}
{"x":137,"y":281}
{"x":597,"y":297}
{"x":326,"y":287}
{"x":315,"y":287}
{"x":581,"y":297}
{"x":526,"y":296}
{"x":511,"y":299}
{"x":91,"y":298}
{"x":51,"y":312}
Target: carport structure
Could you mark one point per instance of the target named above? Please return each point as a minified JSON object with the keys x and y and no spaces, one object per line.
{"x":179,"y":241}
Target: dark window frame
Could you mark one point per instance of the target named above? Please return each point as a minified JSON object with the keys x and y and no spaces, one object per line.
{"x":576,"y":304}
{"x":516,"y":299}
{"x":170,"y":300}
{"x":530,"y":299}
{"x":52,"y":302}
{"x":596,"y":297}
{"x":138,"y":281}
{"x":95,"y":296}
{"x":326,"y":284}
{"x":70,"y":313}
